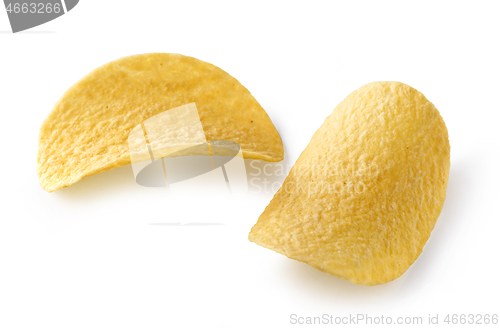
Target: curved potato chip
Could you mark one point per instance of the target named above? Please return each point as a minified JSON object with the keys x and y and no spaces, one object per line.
{"x":362,"y":199}
{"x":86,"y":132}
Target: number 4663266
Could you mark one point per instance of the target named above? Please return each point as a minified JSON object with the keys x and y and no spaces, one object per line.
{"x":34,"y":8}
{"x":473,"y":319}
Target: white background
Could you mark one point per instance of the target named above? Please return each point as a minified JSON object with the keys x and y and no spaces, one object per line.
{"x":90,"y":256}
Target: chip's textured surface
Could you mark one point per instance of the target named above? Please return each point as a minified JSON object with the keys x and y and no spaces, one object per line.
{"x":363,"y":197}
{"x":86,"y":132}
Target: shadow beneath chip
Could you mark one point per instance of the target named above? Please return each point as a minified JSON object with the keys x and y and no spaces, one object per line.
{"x":115,"y":181}
{"x":264,"y":178}
{"x":330,"y":288}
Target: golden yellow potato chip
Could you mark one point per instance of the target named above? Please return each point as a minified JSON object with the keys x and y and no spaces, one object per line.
{"x":362,"y":199}
{"x":86,"y":132}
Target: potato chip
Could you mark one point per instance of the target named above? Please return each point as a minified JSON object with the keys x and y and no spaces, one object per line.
{"x":86,"y":132}
{"x":362,"y":199}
